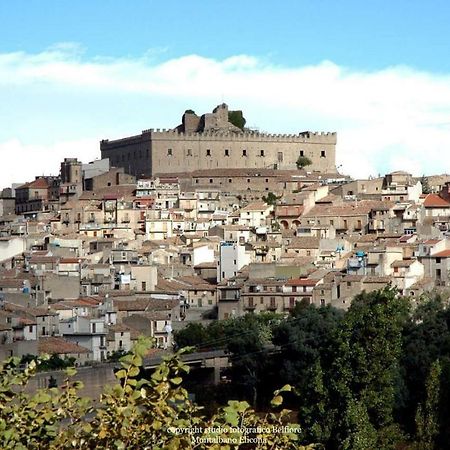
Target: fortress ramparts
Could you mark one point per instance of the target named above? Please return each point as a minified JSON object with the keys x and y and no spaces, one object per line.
{"x":214,"y":142}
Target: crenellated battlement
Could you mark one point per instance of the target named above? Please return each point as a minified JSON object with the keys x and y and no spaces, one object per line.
{"x":218,"y":140}
{"x":306,"y":136}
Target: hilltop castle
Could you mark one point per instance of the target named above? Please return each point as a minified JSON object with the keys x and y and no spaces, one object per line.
{"x":211,"y":141}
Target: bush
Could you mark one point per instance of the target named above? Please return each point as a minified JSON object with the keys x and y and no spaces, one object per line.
{"x":135,"y":413}
{"x":303,"y":161}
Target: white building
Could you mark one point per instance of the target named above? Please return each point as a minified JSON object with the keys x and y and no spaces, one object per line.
{"x":232,"y":257}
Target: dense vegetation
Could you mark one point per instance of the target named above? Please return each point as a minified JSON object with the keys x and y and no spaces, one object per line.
{"x":237,"y":119}
{"x":135,"y":414}
{"x":303,"y":161}
{"x":375,"y":377}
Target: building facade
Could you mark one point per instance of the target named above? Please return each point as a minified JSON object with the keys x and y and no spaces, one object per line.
{"x":212,"y":142}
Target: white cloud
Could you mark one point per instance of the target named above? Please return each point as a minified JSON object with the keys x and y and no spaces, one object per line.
{"x":21,"y":162}
{"x":396,"y":118}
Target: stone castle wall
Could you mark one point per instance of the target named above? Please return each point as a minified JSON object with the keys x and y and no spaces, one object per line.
{"x":170,"y":151}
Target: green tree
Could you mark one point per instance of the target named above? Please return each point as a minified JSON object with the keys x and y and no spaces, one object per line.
{"x":426,"y":189}
{"x":305,"y":342}
{"x":303,"y":161}
{"x":366,"y":367}
{"x":237,"y":119}
{"x":427,"y":417}
{"x":271,"y":198}
{"x":136,"y":413}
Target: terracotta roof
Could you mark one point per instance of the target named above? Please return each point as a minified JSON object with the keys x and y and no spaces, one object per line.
{"x":39,"y":183}
{"x":403,"y":262}
{"x":304,"y":243}
{"x":442,"y":254}
{"x":375,"y":279}
{"x":60,"y":346}
{"x":256,"y":206}
{"x":70,"y":260}
{"x":206,"y":265}
{"x":145,"y":305}
{"x":435,"y":201}
{"x":302,"y":282}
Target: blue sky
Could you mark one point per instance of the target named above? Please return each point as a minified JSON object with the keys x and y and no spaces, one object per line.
{"x":376,"y":72}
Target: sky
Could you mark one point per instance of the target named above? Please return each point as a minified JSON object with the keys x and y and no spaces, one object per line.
{"x":377,"y":73}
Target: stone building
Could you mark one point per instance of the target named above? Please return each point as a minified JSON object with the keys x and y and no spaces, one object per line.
{"x":212,"y":142}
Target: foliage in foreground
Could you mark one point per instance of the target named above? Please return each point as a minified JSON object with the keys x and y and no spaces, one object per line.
{"x":136,"y":413}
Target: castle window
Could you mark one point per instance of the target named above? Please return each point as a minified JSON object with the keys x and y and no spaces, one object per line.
{"x":267,"y":180}
{"x":230,"y":180}
{"x":244,"y":152}
{"x":302,"y":153}
{"x":169,"y":152}
{"x":248,"y":180}
{"x":280,"y":156}
{"x":189,"y":152}
{"x":210,"y":180}
{"x":208,"y":152}
{"x":227,"y":152}
{"x":322,"y":154}
{"x":261,"y":153}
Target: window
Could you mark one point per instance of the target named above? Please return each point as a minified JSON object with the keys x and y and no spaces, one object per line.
{"x":208,"y":152}
{"x":349,"y":283}
{"x":189,"y":152}
{"x":230,"y":180}
{"x":322,"y":154}
{"x":169,"y":152}
{"x":227,"y":152}
{"x":261,"y":153}
{"x":322,"y":302}
{"x":438,"y":260}
{"x":294,"y":288}
{"x":280,"y":156}
{"x":248,"y":180}
{"x":210,"y":180}
{"x":331,"y":222}
{"x":244,"y":152}
{"x":302,"y":153}
{"x":267,"y":180}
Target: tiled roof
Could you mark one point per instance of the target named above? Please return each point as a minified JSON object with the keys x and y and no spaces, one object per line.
{"x":301,"y":282}
{"x":304,"y":243}
{"x":435,"y":201}
{"x":145,"y":305}
{"x":442,"y":254}
{"x":403,"y":262}
{"x":256,"y":206}
{"x":60,"y":346}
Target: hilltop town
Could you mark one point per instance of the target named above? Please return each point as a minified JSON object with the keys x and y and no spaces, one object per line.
{"x":207,"y":221}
